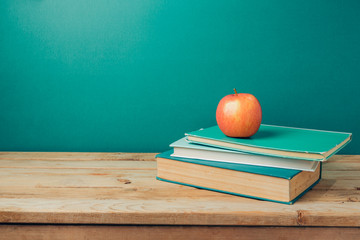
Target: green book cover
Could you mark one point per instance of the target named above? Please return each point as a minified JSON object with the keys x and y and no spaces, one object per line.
{"x":267,"y":171}
{"x":279,"y":141}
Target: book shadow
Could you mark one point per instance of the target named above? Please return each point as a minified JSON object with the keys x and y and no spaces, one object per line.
{"x":321,"y":190}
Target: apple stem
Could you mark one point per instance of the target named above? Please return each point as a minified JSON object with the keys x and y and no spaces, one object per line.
{"x":235,"y":91}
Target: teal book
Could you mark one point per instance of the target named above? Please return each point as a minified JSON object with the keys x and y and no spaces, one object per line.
{"x":277,"y":141}
{"x":264,"y":183}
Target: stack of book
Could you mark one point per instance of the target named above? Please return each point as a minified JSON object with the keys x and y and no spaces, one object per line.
{"x":276,"y":164}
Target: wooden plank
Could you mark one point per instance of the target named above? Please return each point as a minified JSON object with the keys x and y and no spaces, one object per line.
{"x":338,"y":184}
{"x":176,"y":211}
{"x":344,"y":158}
{"x":337,"y":196}
{"x":52,"y":183}
{"x":96,"y":232}
{"x":338,"y":162}
{"x":96,"y":156}
{"x":159,"y":192}
{"x":77,"y":164}
{"x":77,"y":156}
{"x":104,"y":193}
{"x":89,"y":189}
{"x":341,"y":166}
{"x":8,"y":163}
{"x":55,"y":183}
{"x":343,"y":175}
{"x":55,"y":163}
{"x":334,"y":171}
{"x":139,"y":187}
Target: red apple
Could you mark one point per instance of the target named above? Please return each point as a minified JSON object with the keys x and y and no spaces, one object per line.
{"x":239,"y":115}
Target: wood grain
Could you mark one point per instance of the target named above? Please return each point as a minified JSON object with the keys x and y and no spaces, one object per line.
{"x":96,"y":232}
{"x":120,"y":188}
{"x":73,"y":156}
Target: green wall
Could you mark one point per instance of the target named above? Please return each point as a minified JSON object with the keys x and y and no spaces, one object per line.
{"x":127,"y":75}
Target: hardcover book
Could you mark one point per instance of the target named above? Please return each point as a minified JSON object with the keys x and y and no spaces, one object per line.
{"x":277,"y":141}
{"x":265,"y":183}
{"x":184,"y":149}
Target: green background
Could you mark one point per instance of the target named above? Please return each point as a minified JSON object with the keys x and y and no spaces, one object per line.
{"x":134,"y":76}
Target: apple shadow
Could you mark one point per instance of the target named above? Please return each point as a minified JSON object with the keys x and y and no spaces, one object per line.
{"x":261,"y":134}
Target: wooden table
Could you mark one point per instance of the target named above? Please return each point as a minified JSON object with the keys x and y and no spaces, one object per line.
{"x":116,"y":196}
